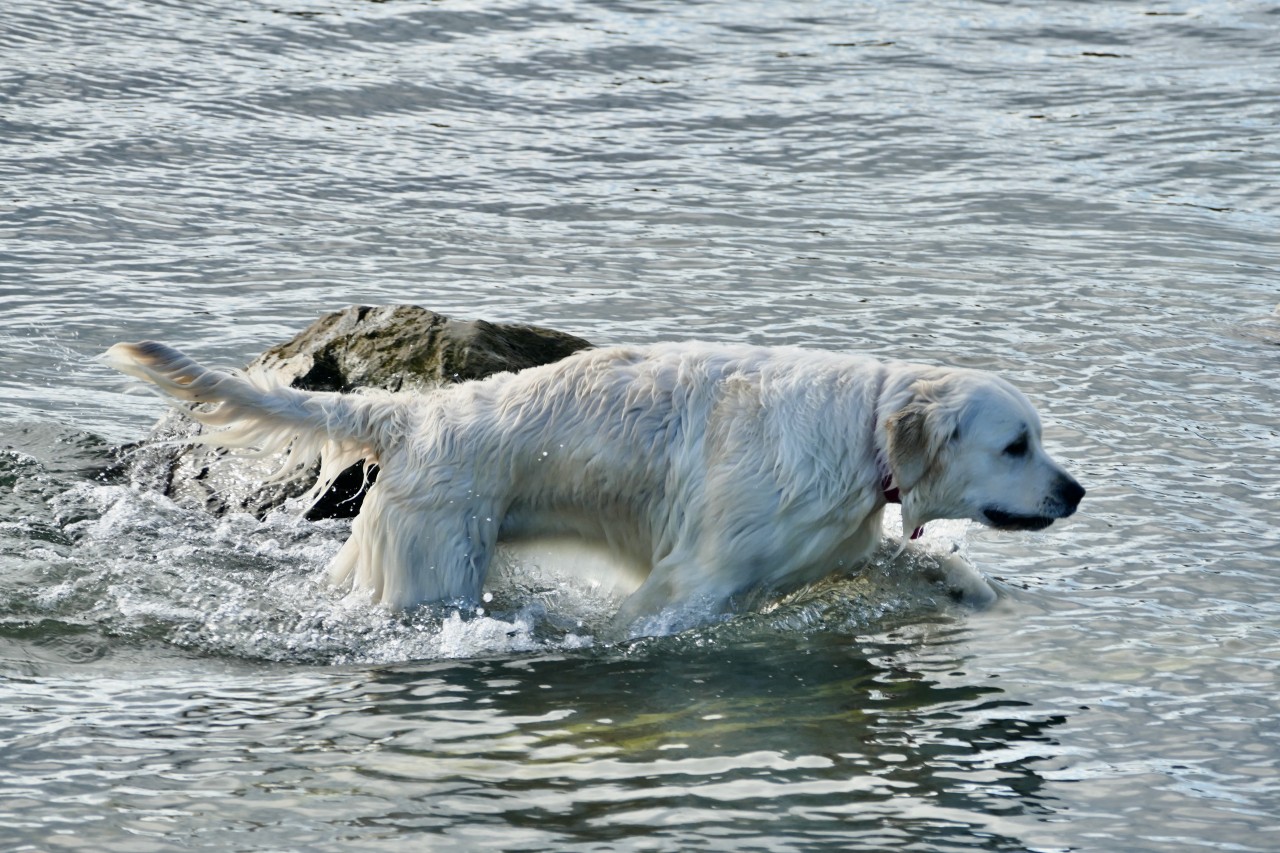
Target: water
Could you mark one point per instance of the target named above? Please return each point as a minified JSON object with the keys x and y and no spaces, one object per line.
{"x":1079,"y":196}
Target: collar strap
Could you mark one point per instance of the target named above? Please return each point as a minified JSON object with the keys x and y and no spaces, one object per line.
{"x":894,"y":496}
{"x":891,"y":493}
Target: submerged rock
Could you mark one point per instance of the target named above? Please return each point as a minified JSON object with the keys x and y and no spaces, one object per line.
{"x":395,"y":347}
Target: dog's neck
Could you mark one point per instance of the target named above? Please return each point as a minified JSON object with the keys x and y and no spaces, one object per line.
{"x":893,"y":496}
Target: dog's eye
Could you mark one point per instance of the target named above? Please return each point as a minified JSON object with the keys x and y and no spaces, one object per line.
{"x":1017,"y":448}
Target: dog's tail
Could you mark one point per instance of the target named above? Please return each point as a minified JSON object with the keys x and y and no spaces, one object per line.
{"x":260,"y":415}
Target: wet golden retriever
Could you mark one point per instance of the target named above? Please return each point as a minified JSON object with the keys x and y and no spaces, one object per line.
{"x":713,"y":470}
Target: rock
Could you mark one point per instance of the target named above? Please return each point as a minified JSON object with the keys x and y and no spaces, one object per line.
{"x":396,"y":347}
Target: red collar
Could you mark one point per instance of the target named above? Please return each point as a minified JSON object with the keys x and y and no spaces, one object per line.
{"x":893,"y":496}
{"x":891,"y":493}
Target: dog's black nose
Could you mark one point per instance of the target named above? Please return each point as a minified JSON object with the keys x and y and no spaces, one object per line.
{"x":1070,"y":493}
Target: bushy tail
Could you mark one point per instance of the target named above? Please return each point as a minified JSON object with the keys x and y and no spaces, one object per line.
{"x":259,"y":415}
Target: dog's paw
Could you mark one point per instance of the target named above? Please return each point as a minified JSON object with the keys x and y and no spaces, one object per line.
{"x":964,"y":583}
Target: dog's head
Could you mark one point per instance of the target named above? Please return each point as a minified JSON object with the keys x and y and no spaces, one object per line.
{"x":966,"y":444}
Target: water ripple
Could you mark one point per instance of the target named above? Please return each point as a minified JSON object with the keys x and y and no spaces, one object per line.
{"x":1075,"y":195}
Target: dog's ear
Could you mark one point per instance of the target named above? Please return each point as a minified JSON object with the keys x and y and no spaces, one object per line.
{"x":911,"y":447}
{"x":919,"y":431}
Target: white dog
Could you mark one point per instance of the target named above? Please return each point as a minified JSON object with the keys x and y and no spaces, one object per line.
{"x":712,"y":470}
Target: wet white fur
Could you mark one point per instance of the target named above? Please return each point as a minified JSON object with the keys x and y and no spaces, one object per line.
{"x":711,"y":470}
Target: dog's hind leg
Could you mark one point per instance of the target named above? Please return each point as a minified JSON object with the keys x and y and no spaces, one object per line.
{"x":406,"y":553}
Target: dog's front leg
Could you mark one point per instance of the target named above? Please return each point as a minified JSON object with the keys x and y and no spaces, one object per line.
{"x":676,"y":595}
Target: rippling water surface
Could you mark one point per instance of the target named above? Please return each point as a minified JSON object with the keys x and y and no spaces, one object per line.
{"x":1080,"y":196}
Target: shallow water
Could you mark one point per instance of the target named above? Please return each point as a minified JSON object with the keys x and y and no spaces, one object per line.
{"x":1079,"y":196}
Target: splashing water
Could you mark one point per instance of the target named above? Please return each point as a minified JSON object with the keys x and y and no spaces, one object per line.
{"x":135,"y":565}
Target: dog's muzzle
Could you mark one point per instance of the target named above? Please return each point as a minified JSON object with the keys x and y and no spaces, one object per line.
{"x":1067,"y":495}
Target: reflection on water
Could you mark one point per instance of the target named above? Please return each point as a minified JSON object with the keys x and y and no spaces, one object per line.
{"x":669,"y":742}
{"x":689,"y":747}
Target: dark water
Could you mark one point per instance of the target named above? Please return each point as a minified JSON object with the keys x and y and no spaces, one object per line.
{"x":1080,"y":196}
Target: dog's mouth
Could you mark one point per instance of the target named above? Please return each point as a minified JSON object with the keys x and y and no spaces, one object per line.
{"x":1002,"y":520}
